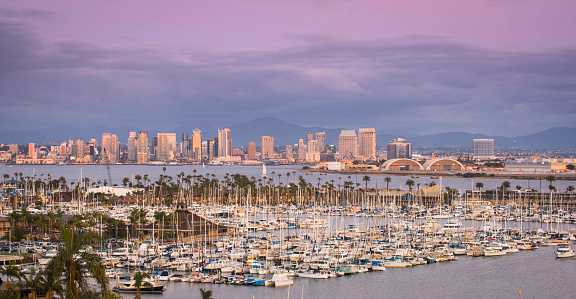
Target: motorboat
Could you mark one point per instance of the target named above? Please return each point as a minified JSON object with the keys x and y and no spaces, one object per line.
{"x":564,"y":251}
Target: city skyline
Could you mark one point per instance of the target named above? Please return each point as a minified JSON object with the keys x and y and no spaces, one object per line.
{"x":418,"y":67}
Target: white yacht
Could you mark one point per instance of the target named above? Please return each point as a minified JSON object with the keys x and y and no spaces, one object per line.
{"x":564,"y":250}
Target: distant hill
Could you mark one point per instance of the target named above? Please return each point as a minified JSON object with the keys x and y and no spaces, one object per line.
{"x":287,"y":133}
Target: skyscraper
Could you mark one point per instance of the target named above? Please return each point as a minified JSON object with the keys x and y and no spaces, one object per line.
{"x":302,"y":149}
{"x":79,"y":148}
{"x":267,"y":147}
{"x":197,"y":144}
{"x":186,"y":146}
{"x":142,"y":155}
{"x":212,"y":149}
{"x":288,"y":154}
{"x":252,"y":151}
{"x":162,"y":150}
{"x":321,"y":142}
{"x":399,"y":148}
{"x":132,"y":147}
{"x":483,"y":149}
{"x":367,"y":143}
{"x":312,"y":145}
{"x":224,"y":143}
{"x":110,"y":146}
{"x":347,"y":143}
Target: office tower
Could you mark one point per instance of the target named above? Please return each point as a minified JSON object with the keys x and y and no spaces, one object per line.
{"x":309,"y":136}
{"x":224,"y":143}
{"x":302,"y":149}
{"x":163,"y":147}
{"x":171,"y":137}
{"x":399,"y":148}
{"x":197,"y":144}
{"x":367,"y":143}
{"x":483,"y":149}
{"x":320,"y":142}
{"x":31,"y":151}
{"x":288,"y":152}
{"x":132,"y":147}
{"x":267,"y":147}
{"x":110,"y":147}
{"x":212,"y":149}
{"x":186,"y":146}
{"x":347,"y":143}
{"x":79,"y":148}
{"x":312,"y":145}
{"x":204,"y":150}
{"x":252,"y":151}
{"x":142,"y":155}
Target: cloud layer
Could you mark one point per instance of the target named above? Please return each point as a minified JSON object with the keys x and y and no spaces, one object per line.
{"x":414,"y":83}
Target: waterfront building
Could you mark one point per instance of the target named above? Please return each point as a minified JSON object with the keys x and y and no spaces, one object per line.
{"x":483,"y":149}
{"x":142,"y":153}
{"x":267,"y":147}
{"x":536,"y":166}
{"x":224,"y":143}
{"x":204,"y":150}
{"x":347,"y":144}
{"x":321,"y":142}
{"x":399,"y":148}
{"x":252,"y":151}
{"x":197,"y":144}
{"x":367,"y":143}
{"x":301,"y":150}
{"x":110,"y":147}
{"x":132,"y":146}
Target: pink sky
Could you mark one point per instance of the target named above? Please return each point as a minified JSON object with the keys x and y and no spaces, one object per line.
{"x":527,"y":24}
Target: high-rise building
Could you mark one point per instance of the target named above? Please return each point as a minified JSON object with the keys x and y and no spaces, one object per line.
{"x":288,"y":154}
{"x":163,"y":148}
{"x":347,"y":144}
{"x":204,"y":150}
{"x":132,"y":147}
{"x":142,"y":155}
{"x":399,"y":148}
{"x":267,"y":147}
{"x":302,"y":149}
{"x":197,"y":144}
{"x":110,"y":147}
{"x":309,"y":136}
{"x":79,"y":148}
{"x":321,"y":142}
{"x":483,"y":149}
{"x":312,"y":145}
{"x":186,"y":146}
{"x":367,"y":143}
{"x":31,"y":150}
{"x":212,"y":149}
{"x":252,"y":151}
{"x":224,"y":143}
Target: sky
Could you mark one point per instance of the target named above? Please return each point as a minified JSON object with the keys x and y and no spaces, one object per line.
{"x":498,"y":67}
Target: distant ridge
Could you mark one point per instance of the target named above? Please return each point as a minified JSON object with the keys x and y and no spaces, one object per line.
{"x":287,"y":133}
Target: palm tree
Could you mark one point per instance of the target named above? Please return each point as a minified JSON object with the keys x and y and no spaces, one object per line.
{"x":550,"y":179}
{"x":73,"y":259}
{"x":410,"y":183}
{"x":479,"y":185}
{"x":205,"y":294}
{"x":141,"y":280}
{"x":12,"y":271}
{"x":387,"y":180}
{"x":366,"y":179}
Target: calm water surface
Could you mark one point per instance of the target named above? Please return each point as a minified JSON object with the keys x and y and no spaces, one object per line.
{"x":537,"y":273}
{"x":118,"y":172}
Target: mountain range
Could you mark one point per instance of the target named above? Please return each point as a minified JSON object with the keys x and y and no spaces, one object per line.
{"x":288,"y":133}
